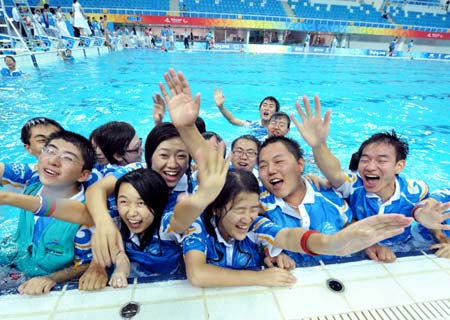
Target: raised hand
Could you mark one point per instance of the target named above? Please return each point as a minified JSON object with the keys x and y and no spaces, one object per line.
{"x":183,"y":110}
{"x":212,"y":170}
{"x":159,"y":108}
{"x":433,"y":214}
{"x":313,"y":128}
{"x":219,"y":98}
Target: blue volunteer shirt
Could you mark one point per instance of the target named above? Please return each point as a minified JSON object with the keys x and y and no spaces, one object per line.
{"x":234,"y":254}
{"x":365,"y":204}
{"x":323,"y":211}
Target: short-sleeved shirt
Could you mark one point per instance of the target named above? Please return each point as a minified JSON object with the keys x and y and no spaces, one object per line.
{"x":324,"y":211}
{"x":162,"y":255}
{"x":257,"y":129}
{"x":234,"y":254}
{"x":17,"y":176}
{"x":365,"y":204}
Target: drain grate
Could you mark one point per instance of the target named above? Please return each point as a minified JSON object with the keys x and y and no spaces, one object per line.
{"x":433,"y":310}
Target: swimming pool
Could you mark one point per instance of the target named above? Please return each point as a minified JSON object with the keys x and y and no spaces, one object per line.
{"x":366,"y":95}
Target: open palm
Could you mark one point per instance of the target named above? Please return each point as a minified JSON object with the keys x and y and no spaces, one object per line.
{"x":183,"y":110}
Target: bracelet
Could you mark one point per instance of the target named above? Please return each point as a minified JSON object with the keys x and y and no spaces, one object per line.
{"x":47,"y":207}
{"x":418,"y":206}
{"x":40,"y":205}
{"x":304,"y":240}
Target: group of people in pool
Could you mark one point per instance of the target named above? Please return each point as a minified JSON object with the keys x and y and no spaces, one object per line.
{"x":92,"y":209}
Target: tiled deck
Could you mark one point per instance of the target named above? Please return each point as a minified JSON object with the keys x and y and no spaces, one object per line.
{"x":368,"y":285}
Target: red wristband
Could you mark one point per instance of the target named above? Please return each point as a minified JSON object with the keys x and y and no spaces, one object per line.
{"x":418,"y":206}
{"x":304,"y":240}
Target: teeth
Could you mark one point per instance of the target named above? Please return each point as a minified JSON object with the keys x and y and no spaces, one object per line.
{"x":134,"y":221}
{"x":50,"y":171}
{"x":170,"y":173}
{"x":275,"y":180}
{"x":243,"y":164}
{"x":242,"y":227}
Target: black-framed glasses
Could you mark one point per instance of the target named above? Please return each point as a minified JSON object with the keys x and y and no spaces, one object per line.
{"x":249,"y":153}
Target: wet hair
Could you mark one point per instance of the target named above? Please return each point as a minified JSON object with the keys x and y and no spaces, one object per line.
{"x":113,"y":138}
{"x":290,"y":144}
{"x":354,"y":162}
{"x":270,"y":98}
{"x":81,"y":143}
{"x":247,"y":137}
{"x":160,"y":133}
{"x":200,"y":124}
{"x":11,"y":57}
{"x":281,"y":115}
{"x":237,"y":182}
{"x":154,"y":192}
{"x":401,"y":146}
{"x":25,"y":134}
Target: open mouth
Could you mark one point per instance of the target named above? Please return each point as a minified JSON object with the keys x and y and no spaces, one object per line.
{"x":371,"y":180}
{"x":135,"y":224}
{"x":171,"y":176}
{"x":50,"y":173}
{"x":276,"y":183}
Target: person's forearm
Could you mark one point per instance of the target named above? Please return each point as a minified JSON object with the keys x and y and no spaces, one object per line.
{"x":68,"y":273}
{"x":192,"y":139}
{"x":96,"y":201}
{"x":329,"y":165}
{"x":213,"y":276}
{"x":229,"y":116}
{"x":64,"y":209}
{"x":187,"y":211}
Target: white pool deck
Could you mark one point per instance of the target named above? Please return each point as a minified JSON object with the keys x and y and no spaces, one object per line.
{"x":400,"y":290}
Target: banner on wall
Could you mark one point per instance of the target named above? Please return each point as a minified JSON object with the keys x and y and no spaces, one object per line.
{"x":303,"y":25}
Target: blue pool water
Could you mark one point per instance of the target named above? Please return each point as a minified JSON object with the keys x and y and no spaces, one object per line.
{"x":366,"y":96}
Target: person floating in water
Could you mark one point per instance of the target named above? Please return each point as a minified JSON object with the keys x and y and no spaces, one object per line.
{"x":10,"y":70}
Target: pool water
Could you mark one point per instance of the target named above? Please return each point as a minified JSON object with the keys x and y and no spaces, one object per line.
{"x":366,"y":95}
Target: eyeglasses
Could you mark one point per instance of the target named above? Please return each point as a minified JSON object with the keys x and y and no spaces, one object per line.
{"x":137,"y":149}
{"x":279,"y":124}
{"x":65,"y":157}
{"x":251,"y":154}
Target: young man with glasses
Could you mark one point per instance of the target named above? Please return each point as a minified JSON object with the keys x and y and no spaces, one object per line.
{"x":244,"y":151}
{"x":45,"y":248}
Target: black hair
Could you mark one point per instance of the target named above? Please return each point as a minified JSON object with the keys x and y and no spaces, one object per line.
{"x":154,"y":192}
{"x":11,"y":57}
{"x":277,"y":104}
{"x":209,"y":134}
{"x":401,"y":146}
{"x":290,"y":144}
{"x":81,"y":143}
{"x":247,"y":137}
{"x":237,"y":181}
{"x":281,"y":114}
{"x":113,"y":138}
{"x":25,"y":134}
{"x":160,"y":133}
{"x":200,"y":124}
{"x":354,"y":162}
